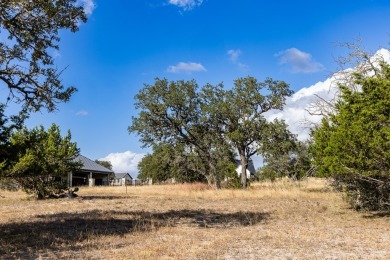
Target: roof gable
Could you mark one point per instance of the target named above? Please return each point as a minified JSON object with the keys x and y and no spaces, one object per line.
{"x":250,"y":167}
{"x":89,"y":165}
{"x":122,"y":175}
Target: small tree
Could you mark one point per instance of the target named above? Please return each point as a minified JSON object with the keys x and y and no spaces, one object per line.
{"x":158,"y":165}
{"x":28,"y":76}
{"x":231,"y":179}
{"x":41,"y":160}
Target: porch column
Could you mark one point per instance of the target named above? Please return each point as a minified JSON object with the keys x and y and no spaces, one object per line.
{"x":70,"y":176}
{"x":91,"y":180}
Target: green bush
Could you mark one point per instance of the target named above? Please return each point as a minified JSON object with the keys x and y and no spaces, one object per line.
{"x":232,"y":180}
{"x":352,"y":145}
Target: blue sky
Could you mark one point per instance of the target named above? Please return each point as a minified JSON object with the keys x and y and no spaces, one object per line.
{"x":125,"y":44}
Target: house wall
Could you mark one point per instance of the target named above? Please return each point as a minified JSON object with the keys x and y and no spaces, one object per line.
{"x":239,"y":169}
{"x":118,"y":182}
{"x":101,"y":179}
{"x":122,"y":181}
{"x":87,"y":179}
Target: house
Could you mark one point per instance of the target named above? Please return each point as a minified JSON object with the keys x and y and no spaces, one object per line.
{"x":89,"y":174}
{"x":136,"y":182}
{"x":250,"y":169}
{"x":122,"y":179}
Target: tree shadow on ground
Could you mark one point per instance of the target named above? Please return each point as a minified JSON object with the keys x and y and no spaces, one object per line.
{"x":102,"y":197}
{"x":66,"y":231}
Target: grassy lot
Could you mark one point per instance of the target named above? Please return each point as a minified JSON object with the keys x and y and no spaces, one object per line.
{"x":304,"y":220}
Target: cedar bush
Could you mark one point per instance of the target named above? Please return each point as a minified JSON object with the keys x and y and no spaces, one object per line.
{"x":353,"y":146}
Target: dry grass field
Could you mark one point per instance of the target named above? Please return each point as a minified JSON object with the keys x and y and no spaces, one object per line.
{"x":282,"y":220}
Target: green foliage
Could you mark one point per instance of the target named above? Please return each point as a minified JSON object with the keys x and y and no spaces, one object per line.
{"x":168,"y":162}
{"x":158,"y":165}
{"x":7,"y":126}
{"x":266,"y":173}
{"x":239,"y":113}
{"x":289,"y":157}
{"x":210,"y":122}
{"x":174,"y":113}
{"x":354,"y":146}
{"x":30,"y":30}
{"x":232,"y":180}
{"x":41,"y":160}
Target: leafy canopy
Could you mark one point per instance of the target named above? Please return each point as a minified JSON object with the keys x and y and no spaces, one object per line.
{"x":157,"y":166}
{"x":29,"y":31}
{"x":354,"y":145}
{"x":173,"y":113}
{"x":240,"y":115}
{"x":211,"y":122}
{"x":29,"y":37}
{"x":41,"y":160}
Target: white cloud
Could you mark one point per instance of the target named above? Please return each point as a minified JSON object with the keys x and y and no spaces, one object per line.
{"x":82,"y":113}
{"x":300,"y":62}
{"x":295,"y":111}
{"x":124,"y":162}
{"x":187,"y":67}
{"x":186,"y":5}
{"x":88,"y":6}
{"x":233,"y":55}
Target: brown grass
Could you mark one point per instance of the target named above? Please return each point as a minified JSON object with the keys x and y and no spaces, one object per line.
{"x":286,"y":220}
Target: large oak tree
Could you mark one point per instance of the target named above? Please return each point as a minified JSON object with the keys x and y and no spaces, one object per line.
{"x":172,"y":113}
{"x":211,"y":121}
{"x":239,"y":113}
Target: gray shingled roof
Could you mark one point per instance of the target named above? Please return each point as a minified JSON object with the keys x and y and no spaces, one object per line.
{"x":89,"y":165}
{"x":122,"y":175}
{"x":250,"y":167}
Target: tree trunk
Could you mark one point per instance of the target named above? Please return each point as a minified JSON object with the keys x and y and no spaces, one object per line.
{"x":39,"y":195}
{"x":216,"y":176}
{"x":209,"y":181}
{"x":217,"y":181}
{"x":243,"y":168}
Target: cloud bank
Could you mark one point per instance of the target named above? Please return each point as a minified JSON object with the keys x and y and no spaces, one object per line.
{"x":186,"y":67}
{"x":295,"y":111}
{"x":124,"y":162}
{"x":299,"y":61}
{"x":186,"y":5}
